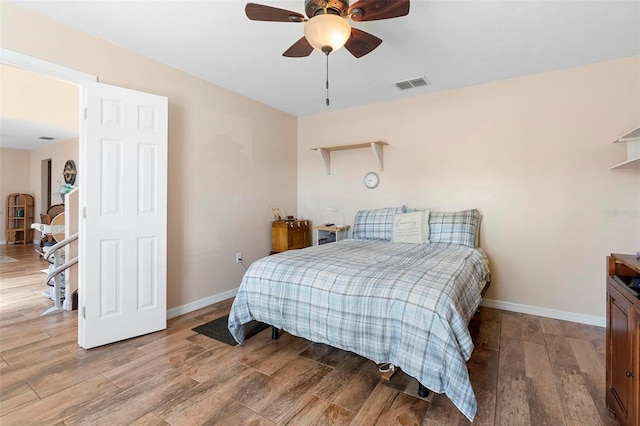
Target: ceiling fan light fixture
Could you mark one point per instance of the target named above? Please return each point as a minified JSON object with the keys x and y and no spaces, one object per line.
{"x":327,"y":30}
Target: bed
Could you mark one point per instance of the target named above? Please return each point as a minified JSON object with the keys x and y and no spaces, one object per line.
{"x":388,"y":300}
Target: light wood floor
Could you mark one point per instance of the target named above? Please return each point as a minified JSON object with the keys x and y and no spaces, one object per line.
{"x":525,"y":370}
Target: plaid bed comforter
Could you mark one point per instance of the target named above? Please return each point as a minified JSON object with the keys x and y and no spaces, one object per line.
{"x":406,"y":304}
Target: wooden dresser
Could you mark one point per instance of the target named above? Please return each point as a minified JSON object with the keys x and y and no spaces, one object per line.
{"x":623,"y":338}
{"x":288,"y":235}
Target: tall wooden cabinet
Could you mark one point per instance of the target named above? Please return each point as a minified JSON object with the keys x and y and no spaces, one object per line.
{"x":623,"y":338}
{"x":288,"y":235}
{"x":19,"y":218}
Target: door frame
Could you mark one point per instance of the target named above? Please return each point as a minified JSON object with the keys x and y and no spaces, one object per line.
{"x":40,"y":66}
{"x":59,"y":72}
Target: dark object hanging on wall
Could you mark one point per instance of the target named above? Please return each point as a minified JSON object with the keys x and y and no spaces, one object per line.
{"x":69,"y":172}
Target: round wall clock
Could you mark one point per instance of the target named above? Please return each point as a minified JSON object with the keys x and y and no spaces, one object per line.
{"x":69,"y":172}
{"x":371,"y":180}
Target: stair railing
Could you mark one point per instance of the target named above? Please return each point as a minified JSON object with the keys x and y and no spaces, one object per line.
{"x":55,"y":274}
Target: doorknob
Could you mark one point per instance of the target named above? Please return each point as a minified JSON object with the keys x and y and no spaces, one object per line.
{"x":628,"y":373}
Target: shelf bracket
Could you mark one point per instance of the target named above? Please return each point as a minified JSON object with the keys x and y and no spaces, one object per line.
{"x":326,"y":159}
{"x":377,"y":154}
{"x":632,"y":139}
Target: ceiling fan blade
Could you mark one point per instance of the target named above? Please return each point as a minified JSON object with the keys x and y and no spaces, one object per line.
{"x":360,"y":43}
{"x":299,"y":49}
{"x":260,"y":12}
{"x":373,"y":10}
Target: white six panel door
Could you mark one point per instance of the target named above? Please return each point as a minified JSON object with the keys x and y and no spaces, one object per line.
{"x":123,"y":235}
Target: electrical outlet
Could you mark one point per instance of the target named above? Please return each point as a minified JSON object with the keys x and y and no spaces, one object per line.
{"x":239,"y":257}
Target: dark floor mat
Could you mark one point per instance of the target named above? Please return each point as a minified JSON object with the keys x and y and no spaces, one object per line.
{"x":218,"y":329}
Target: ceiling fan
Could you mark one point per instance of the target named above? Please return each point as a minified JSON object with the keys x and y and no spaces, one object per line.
{"x":327,"y":28}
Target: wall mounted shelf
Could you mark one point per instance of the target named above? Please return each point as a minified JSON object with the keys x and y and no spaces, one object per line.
{"x":632,"y":139}
{"x":325,"y":152}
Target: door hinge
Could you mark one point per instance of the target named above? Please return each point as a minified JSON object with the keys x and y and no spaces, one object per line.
{"x":85,"y":113}
{"x":84,"y":312}
{"x":84,"y":212}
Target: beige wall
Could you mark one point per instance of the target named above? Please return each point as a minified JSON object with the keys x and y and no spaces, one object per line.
{"x":230,"y":158}
{"x":59,"y":153}
{"x":33,"y":97}
{"x":533,"y":154}
{"x":20,"y":171}
{"x":14,"y":177}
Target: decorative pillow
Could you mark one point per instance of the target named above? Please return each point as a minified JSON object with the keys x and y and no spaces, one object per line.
{"x":411,"y":227}
{"x":456,"y":228}
{"x":477,"y":236}
{"x":375,"y":224}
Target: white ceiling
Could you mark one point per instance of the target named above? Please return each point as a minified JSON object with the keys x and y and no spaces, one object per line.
{"x":451,"y":43}
{"x":24,"y":134}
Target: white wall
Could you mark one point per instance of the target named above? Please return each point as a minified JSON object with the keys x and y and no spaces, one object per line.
{"x":533,"y":154}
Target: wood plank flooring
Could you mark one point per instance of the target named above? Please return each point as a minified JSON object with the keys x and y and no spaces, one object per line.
{"x":525,"y":370}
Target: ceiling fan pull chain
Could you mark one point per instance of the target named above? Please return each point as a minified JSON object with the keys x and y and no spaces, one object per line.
{"x":327,"y":53}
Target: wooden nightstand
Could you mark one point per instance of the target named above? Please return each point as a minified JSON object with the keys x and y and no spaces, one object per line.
{"x":289,"y":235}
{"x":329,"y":234}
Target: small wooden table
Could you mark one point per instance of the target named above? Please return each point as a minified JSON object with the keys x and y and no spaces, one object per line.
{"x":331,"y":233}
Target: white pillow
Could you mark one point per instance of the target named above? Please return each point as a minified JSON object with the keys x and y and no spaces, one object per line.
{"x":411,"y":227}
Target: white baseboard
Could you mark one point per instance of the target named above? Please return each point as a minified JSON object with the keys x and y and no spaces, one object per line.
{"x":202,"y":303}
{"x":489,"y":303}
{"x":544,"y":312}
{"x":3,"y":242}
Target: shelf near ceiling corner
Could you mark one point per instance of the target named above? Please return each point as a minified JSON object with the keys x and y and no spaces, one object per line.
{"x":325,"y":152}
{"x":632,"y":139}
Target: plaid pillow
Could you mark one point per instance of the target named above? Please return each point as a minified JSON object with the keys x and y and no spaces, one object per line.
{"x":375,"y":224}
{"x":456,"y":228}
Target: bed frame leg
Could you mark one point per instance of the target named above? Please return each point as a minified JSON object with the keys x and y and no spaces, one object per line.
{"x":423,"y":391}
{"x":274,"y":333}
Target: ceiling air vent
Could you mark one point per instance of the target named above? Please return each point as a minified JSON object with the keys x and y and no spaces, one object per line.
{"x":46,"y":138}
{"x":411,"y":83}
